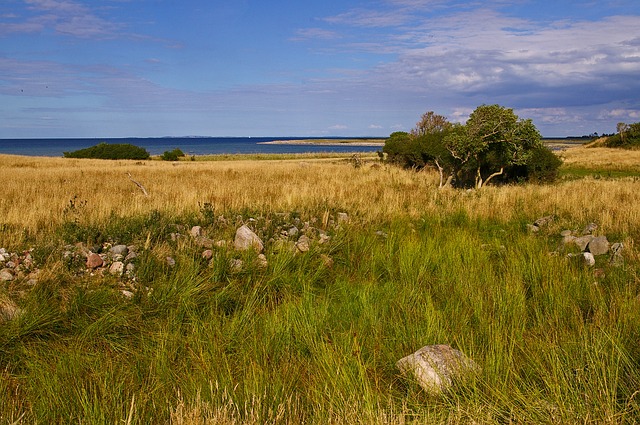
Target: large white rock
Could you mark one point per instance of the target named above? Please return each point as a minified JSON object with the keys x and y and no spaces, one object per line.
{"x":437,"y":367}
{"x":246,"y":239}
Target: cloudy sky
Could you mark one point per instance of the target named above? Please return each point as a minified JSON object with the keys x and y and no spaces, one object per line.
{"x":117,"y":68}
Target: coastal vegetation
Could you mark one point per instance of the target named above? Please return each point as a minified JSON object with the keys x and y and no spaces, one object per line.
{"x":393,"y":263}
{"x":493,"y":144}
{"x":110,"y":151}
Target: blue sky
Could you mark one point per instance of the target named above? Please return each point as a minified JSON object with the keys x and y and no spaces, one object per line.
{"x":119,"y":68}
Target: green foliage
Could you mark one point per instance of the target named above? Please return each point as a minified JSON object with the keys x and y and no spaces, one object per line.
{"x":110,"y":151}
{"x":628,"y":137}
{"x":172,"y":155}
{"x":494,"y":145}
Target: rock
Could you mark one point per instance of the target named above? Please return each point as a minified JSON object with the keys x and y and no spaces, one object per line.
{"x":117,"y":268}
{"x":94,"y":261}
{"x":599,"y":245}
{"x":246,"y":239}
{"x":324,"y":238}
{"x":127,"y":294}
{"x":533,"y":228}
{"x":582,"y":242}
{"x":122,"y":250}
{"x":588,"y":259}
{"x":293,"y":231}
{"x":204,"y":242}
{"x":303,"y":244}
{"x":565,"y":233}
{"x":566,"y":240}
{"x":342,"y":217}
{"x":589,"y":229}
{"x":130,"y":269}
{"x":131,"y":256}
{"x":170,"y":261}
{"x":437,"y":367}
{"x":544,"y":221}
{"x":207,"y":254}
{"x":6,"y":275}
{"x":220,"y":244}
{"x":262,"y":262}
{"x":616,"y":254}
{"x":196,"y":231}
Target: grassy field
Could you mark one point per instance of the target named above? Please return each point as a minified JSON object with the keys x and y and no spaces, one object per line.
{"x":313,"y":337}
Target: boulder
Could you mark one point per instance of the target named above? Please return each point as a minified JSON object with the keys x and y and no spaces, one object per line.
{"x":544,"y":221}
{"x":303,"y":244}
{"x":94,"y":261}
{"x":437,"y":367}
{"x":122,"y":250}
{"x":6,"y":275}
{"x":616,"y":254}
{"x":598,"y":246}
{"x":582,"y":242}
{"x":196,"y":231}
{"x":117,"y":268}
{"x":589,"y":259}
{"x":245,"y":239}
{"x":565,"y":233}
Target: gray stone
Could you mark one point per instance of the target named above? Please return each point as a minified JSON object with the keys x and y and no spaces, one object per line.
{"x":533,"y":228}
{"x":599,"y":245}
{"x":170,"y":261}
{"x":245,"y":239}
{"x":127,"y":294}
{"x":303,"y":244}
{"x":196,"y":231}
{"x":293,"y":231}
{"x":130,"y":269}
{"x":122,"y":250}
{"x":616,"y":254}
{"x":437,"y":367}
{"x":342,"y":217}
{"x":582,"y":242}
{"x":94,"y":261}
{"x":117,"y":268}
{"x":207,"y":254}
{"x":588,"y":259}
{"x":6,"y":275}
{"x":544,"y":221}
{"x":565,"y":233}
{"x":204,"y":242}
{"x":590,"y":228}
{"x":131,"y":256}
{"x":236,"y":265}
{"x":566,"y":240}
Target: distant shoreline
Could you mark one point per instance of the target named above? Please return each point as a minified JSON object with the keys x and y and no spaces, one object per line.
{"x":327,"y":142}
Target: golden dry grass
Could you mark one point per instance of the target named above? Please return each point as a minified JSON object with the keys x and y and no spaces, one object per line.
{"x":37,"y":191}
{"x":602,"y":158}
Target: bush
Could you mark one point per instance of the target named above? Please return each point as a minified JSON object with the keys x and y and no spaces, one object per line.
{"x":173,"y":155}
{"x":628,"y":137}
{"x":110,"y":151}
{"x":542,"y":167}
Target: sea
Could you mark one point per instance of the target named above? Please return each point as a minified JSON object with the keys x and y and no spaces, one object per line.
{"x":189,"y":145}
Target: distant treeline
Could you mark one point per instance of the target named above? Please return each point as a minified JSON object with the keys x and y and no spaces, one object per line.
{"x":110,"y":151}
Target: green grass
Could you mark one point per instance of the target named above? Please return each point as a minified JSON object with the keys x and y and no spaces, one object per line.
{"x":305,"y":342}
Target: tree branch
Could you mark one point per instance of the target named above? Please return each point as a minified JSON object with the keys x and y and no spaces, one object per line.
{"x":138,"y":184}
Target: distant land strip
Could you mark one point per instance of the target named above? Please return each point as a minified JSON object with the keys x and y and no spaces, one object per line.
{"x":327,"y":142}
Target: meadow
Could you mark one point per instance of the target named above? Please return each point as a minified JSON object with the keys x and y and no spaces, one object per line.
{"x":314,"y":336}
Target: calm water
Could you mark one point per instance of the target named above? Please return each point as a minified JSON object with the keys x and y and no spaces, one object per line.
{"x":189,"y":145}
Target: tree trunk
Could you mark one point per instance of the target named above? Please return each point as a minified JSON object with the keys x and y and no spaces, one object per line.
{"x":493,"y":175}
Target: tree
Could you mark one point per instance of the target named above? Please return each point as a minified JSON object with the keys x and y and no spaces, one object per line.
{"x":494,"y":144}
{"x":493,"y":139}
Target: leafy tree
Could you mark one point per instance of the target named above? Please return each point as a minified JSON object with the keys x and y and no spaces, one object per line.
{"x":628,"y":136}
{"x":493,"y":144}
{"x":110,"y":151}
{"x":493,"y":139}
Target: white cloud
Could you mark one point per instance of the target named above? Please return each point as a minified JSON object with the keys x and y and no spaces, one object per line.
{"x":338,"y":127}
